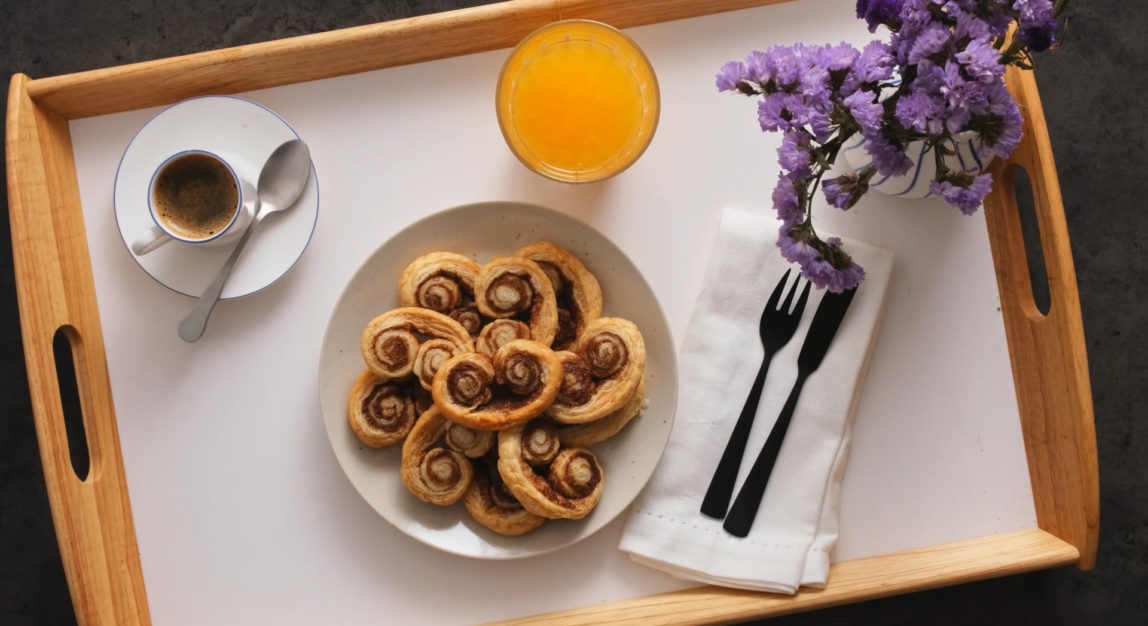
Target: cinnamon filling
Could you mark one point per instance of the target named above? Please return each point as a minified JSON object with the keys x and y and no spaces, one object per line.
{"x":430,"y":357}
{"x":468,"y":384}
{"x":606,"y":353}
{"x":440,"y":292}
{"x":577,"y":383}
{"x":499,"y":333}
{"x":468,"y":316}
{"x":539,"y":442}
{"x":567,"y":331}
{"x":472,"y":443}
{"x":509,"y":294}
{"x":575,"y":473}
{"x":522,"y":374}
{"x":395,"y":348}
{"x":439,"y":470}
{"x":386,"y":408}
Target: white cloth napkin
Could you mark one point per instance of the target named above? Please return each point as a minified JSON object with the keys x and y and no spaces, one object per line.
{"x":796,"y":526}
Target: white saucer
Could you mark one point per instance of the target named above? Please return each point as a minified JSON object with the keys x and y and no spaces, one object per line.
{"x":244,"y":133}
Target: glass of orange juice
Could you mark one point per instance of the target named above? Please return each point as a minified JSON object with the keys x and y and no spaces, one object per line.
{"x":577,"y":101}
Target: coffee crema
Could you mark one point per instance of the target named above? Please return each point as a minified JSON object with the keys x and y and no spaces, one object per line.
{"x":195,"y":196}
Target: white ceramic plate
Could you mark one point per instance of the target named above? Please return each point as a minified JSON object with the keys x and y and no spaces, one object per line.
{"x":482,"y":231}
{"x":245,"y":134}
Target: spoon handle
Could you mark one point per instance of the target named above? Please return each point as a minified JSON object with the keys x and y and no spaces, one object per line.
{"x":191,"y":327}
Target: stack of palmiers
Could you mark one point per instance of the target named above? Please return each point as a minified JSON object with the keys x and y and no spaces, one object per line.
{"x":497,"y":379}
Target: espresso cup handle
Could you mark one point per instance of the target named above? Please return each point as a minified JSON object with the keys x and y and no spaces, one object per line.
{"x":149,"y":240}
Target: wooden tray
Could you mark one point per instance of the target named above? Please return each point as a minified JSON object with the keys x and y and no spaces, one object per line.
{"x":93,"y":517}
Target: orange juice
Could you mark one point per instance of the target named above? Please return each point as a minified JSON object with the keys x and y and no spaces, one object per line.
{"x":577,"y":101}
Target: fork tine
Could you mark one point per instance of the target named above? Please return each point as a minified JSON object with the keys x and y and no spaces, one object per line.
{"x":789,"y":297}
{"x":800,"y":308}
{"x":771,"y":304}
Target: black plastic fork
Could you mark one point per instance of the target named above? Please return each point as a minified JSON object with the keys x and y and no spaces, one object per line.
{"x":776,"y":328}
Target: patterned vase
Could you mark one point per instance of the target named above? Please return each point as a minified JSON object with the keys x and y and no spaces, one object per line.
{"x":915,"y":183}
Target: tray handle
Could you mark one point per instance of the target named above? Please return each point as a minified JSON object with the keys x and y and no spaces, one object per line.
{"x":92,"y":517}
{"x":1049,"y":360}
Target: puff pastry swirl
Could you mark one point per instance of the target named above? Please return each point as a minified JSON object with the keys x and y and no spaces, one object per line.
{"x":515,"y":287}
{"x":490,"y":393}
{"x":498,"y":333}
{"x":576,"y":290}
{"x":390,"y":342}
{"x":381,"y":412}
{"x":434,"y":473}
{"x":601,"y":371}
{"x":439,"y":281}
{"x":570,"y":488}
{"x":491,"y":504}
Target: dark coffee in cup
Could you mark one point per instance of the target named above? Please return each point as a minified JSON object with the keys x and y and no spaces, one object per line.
{"x":195,"y":196}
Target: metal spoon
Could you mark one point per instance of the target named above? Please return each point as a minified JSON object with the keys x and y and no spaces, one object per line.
{"x":281,"y":182}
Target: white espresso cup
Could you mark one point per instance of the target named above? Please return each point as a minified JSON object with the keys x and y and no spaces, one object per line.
{"x":196,"y":197}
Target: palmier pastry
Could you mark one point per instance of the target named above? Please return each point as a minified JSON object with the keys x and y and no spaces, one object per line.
{"x":439,"y":281}
{"x":434,"y":473}
{"x":597,"y":431}
{"x":498,"y":333}
{"x":570,"y":487}
{"x":576,"y":290}
{"x":601,"y":372}
{"x":490,"y":393}
{"x":491,"y":504}
{"x":391,"y":341}
{"x":473,"y":443}
{"x":515,"y":287}
{"x":381,"y":412}
{"x":430,"y":356}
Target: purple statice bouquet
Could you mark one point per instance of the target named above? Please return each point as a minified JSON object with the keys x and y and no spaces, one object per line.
{"x":939,"y":76}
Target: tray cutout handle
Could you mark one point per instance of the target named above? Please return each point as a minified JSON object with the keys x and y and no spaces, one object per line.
{"x":65,"y":343}
{"x":1030,"y":235}
{"x":1049,"y":360}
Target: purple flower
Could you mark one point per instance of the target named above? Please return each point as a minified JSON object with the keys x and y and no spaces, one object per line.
{"x":794,"y":154}
{"x":964,"y":191}
{"x":930,"y":41}
{"x":981,"y":61}
{"x":838,"y":58}
{"x":757,"y":67}
{"x":878,"y":12}
{"x":793,"y":250}
{"x":866,"y":111}
{"x":1039,"y":37}
{"x":731,"y":74}
{"x":999,"y":122}
{"x":785,"y":66}
{"x":786,"y":201}
{"x":920,"y":111}
{"x":825,"y":264}
{"x":888,"y":157}
{"x":825,"y":276}
{"x":844,"y":191}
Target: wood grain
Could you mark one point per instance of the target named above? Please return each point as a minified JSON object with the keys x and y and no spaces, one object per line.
{"x":1049,"y":359}
{"x":93,"y":517}
{"x":849,"y":581}
{"x":341,"y":52}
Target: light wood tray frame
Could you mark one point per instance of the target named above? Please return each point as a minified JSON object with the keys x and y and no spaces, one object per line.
{"x":93,"y":518}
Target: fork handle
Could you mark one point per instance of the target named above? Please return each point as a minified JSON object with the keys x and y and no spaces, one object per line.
{"x":744,"y":509}
{"x":716,"y":501}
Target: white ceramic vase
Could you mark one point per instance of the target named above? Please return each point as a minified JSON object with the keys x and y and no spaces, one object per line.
{"x":915,"y":183}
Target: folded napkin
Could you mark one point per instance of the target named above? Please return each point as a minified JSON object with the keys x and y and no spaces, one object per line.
{"x":796,"y":526}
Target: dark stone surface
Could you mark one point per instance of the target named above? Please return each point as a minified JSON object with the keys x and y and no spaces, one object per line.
{"x":1092,"y":91}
